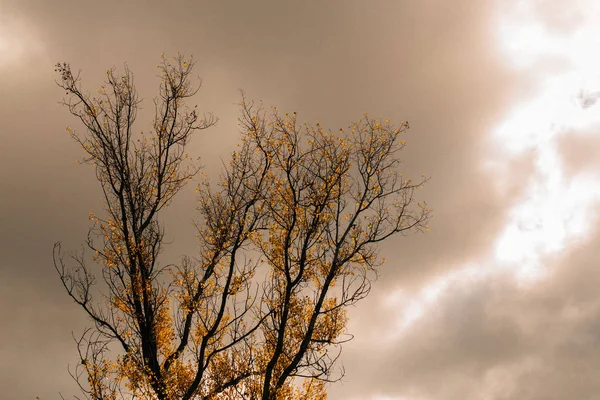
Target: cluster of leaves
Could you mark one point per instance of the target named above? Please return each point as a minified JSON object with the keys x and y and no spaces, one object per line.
{"x":288,"y":240}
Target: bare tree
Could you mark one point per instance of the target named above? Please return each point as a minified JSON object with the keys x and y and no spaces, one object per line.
{"x":288,"y":241}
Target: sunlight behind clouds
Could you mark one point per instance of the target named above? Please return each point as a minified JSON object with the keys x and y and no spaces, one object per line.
{"x":554,"y":210}
{"x":18,"y":41}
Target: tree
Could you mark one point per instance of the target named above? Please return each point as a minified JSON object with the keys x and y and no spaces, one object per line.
{"x":288,"y":240}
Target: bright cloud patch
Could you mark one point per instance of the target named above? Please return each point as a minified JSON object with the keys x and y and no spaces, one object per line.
{"x":18,"y":41}
{"x":554,"y":210}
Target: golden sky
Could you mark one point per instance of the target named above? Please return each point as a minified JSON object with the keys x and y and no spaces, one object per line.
{"x":498,"y":301}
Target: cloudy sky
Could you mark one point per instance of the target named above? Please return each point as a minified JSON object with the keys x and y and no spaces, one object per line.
{"x":498,"y":301}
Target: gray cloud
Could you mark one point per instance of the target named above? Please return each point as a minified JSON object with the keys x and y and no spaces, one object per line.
{"x":433,"y":63}
{"x":503,"y":341}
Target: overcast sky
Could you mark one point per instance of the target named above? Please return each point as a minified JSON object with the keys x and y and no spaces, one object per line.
{"x":498,"y":301}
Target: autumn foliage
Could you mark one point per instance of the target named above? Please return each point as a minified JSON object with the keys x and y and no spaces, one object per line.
{"x":288,"y":240}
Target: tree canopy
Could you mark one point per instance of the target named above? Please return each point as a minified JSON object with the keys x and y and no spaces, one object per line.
{"x":288,"y":239}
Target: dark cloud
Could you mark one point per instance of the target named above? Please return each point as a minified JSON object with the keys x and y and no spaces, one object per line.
{"x":433,"y":63}
{"x":497,"y":339}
